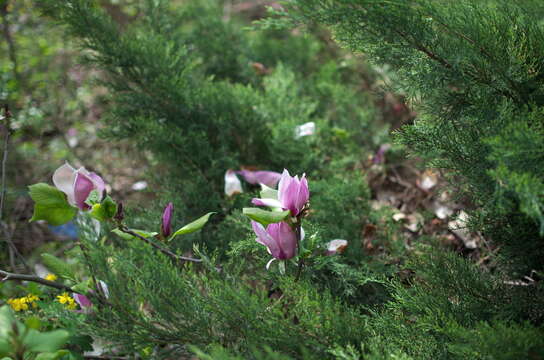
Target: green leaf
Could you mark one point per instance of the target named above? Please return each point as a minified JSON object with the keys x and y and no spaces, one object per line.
{"x":93,"y":198}
{"x":268,"y":192}
{"x":52,"y":355}
{"x":6,"y":321}
{"x":33,"y":322}
{"x":45,"y":341}
{"x":265,"y":217}
{"x":58,"y":267}
{"x":5,"y":349}
{"x":82,"y":287}
{"x":193,"y":226}
{"x":105,"y":210}
{"x":125,"y":236}
{"x":50,"y":204}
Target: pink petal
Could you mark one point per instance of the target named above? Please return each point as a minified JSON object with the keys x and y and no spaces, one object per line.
{"x":284,"y":183}
{"x":290,"y":196}
{"x":287,"y":240}
{"x":303,"y":194}
{"x":98,"y":182}
{"x":82,"y":188}
{"x":264,"y":238}
{"x":63,"y":178}
{"x":82,"y":300}
{"x":269,"y":178}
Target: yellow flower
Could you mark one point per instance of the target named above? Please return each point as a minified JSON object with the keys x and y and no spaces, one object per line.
{"x":67,"y":300}
{"x":18,"y":304}
{"x":31,"y":298}
{"x":51,"y":277}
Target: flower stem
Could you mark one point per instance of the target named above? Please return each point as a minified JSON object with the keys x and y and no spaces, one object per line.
{"x":300,"y":258}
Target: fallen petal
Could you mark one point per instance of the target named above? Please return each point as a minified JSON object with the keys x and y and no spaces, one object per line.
{"x":336,"y":246}
{"x":305,"y":129}
{"x":103,"y":287}
{"x":232,"y":184}
{"x":269,"y":178}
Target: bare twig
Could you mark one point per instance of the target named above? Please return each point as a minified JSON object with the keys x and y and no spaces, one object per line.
{"x":7,"y":234}
{"x":7,"y":276}
{"x":12,"y":53}
{"x":7,"y":135}
{"x":158,"y":247}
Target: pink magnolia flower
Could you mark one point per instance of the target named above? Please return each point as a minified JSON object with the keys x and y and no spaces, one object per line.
{"x":279,"y":238}
{"x":292,"y":194}
{"x":83,"y":301}
{"x":77,"y":184}
{"x":269,"y":178}
{"x":166,"y":224}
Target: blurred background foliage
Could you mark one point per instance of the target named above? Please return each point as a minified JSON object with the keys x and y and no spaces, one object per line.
{"x":161,"y":98}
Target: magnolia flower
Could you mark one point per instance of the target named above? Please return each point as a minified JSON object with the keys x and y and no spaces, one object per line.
{"x":166,"y":224}
{"x":336,"y":246}
{"x":269,"y":178}
{"x":305,"y":129}
{"x":279,"y":238}
{"x":77,"y":184}
{"x":83,"y":302}
{"x":232,"y":183}
{"x":292,"y":194}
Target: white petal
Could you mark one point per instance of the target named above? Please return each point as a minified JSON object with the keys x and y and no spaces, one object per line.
{"x":273,"y":203}
{"x":305,"y":129}
{"x":232,"y":184}
{"x":269,"y":263}
{"x":104,"y":288}
{"x":64,"y":178}
{"x":336,"y":246}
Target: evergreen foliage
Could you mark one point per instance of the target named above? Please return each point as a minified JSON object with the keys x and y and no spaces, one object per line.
{"x":181,"y":87}
{"x":473,"y":71}
{"x":172,"y":94}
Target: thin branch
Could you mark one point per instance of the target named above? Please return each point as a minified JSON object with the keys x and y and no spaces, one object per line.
{"x":7,"y":276}
{"x":7,"y":135}
{"x":7,"y":234}
{"x":12,"y":52}
{"x":158,"y":247}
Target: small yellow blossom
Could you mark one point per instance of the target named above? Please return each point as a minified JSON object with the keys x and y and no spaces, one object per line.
{"x":31,"y":298}
{"x":19,"y":304}
{"x":67,"y":300}
{"x":51,"y":277}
